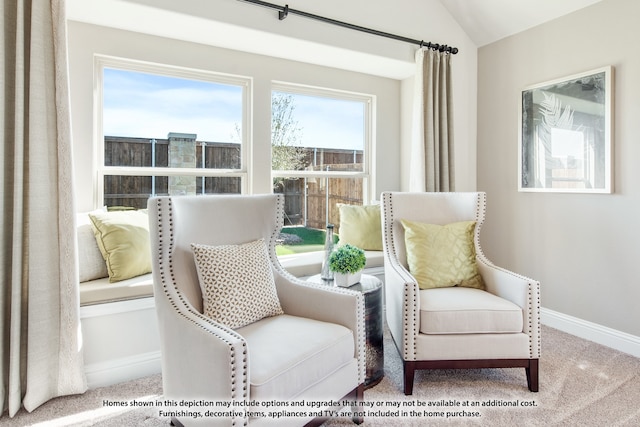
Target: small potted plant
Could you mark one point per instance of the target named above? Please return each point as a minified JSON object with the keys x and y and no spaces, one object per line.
{"x":347,"y":262}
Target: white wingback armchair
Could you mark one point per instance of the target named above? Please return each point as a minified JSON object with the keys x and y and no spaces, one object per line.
{"x":314,"y":351}
{"x":456,"y":327}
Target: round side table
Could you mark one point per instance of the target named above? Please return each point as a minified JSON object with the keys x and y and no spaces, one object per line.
{"x":371,"y":288}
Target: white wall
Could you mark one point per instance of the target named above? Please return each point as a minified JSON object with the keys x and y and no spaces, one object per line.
{"x":133,"y":352}
{"x":583,"y":248}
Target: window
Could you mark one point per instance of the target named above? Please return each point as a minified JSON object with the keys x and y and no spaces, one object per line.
{"x":321,"y":152}
{"x":167,"y":130}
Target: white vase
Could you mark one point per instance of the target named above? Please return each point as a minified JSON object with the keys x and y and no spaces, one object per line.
{"x":347,"y":279}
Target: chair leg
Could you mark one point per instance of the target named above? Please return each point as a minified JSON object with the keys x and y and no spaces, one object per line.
{"x":355,"y":407}
{"x":532,"y":375}
{"x":409,"y":371}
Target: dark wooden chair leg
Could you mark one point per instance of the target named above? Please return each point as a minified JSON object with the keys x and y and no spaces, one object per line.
{"x":409,"y":371}
{"x":532,"y":375}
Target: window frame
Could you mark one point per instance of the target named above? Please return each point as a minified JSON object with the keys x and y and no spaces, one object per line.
{"x":103,"y":61}
{"x":368,"y":154}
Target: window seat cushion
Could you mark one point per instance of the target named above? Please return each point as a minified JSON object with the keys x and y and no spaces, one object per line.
{"x":101,"y":290}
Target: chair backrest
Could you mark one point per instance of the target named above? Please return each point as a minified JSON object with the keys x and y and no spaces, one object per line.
{"x":432,"y":208}
{"x":177,"y":222}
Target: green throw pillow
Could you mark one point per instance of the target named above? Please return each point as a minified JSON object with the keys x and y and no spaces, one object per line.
{"x":360,"y":226}
{"x":123,"y":239}
{"x":441,"y":256}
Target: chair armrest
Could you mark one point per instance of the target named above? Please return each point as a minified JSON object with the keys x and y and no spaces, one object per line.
{"x":509,"y":285}
{"x":199,"y":356}
{"x":320,"y":302}
{"x":325,"y":303}
{"x":402,"y":303}
{"x":520,"y":290}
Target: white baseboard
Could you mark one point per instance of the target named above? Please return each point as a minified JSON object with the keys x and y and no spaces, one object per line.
{"x":119,"y":370}
{"x":613,"y":338}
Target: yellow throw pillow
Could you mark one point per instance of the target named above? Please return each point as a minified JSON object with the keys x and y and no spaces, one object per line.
{"x":123,"y":239}
{"x":360,"y":226}
{"x":441,"y":256}
{"x":237,"y":283}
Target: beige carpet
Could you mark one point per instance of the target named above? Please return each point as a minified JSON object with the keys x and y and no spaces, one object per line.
{"x":581,"y":384}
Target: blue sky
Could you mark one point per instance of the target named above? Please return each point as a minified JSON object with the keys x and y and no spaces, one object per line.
{"x":150,"y":106}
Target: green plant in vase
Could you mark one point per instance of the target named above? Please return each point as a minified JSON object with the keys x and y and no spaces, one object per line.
{"x":347,"y":262}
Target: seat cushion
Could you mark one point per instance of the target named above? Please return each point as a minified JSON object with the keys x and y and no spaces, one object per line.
{"x":467,"y":311}
{"x":289,"y":354}
{"x":101,"y":291}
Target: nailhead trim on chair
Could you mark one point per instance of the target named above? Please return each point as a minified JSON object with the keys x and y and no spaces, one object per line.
{"x":408,"y":310}
{"x":163,"y":276}
{"x":538,"y":328}
{"x":276,"y":229}
{"x":481,"y":209}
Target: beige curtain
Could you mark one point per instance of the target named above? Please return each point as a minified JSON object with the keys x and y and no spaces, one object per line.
{"x":40,"y":351}
{"x":431,"y":167}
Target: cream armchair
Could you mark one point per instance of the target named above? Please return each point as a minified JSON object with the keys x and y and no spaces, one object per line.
{"x":456,"y":327}
{"x":314,"y":351}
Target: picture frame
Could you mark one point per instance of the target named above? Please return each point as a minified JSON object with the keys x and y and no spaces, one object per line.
{"x":566,"y":134}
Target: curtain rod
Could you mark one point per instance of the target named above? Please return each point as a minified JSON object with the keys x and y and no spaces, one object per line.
{"x":284,"y":11}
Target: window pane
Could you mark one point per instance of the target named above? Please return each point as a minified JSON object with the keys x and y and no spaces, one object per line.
{"x":175,"y":118}
{"x":311,"y":203}
{"x":307,"y":199}
{"x":133,"y":191}
{"x":316,"y":133}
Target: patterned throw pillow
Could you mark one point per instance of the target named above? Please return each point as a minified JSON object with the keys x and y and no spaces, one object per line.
{"x":442,"y":256}
{"x":237,"y":283}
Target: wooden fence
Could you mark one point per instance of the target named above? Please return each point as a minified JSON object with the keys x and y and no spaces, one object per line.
{"x":305,"y":198}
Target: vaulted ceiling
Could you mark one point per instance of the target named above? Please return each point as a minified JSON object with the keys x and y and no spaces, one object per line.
{"x":486,"y":21}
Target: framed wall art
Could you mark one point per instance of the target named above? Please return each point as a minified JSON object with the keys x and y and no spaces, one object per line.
{"x":566,"y":134}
